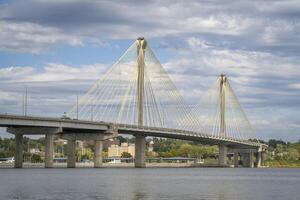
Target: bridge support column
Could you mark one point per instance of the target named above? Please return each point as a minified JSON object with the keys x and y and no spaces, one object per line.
{"x":248,"y":159}
{"x":98,"y":153}
{"x":222,"y":155}
{"x":49,"y":149}
{"x":245,"y":159}
{"x":140,"y":149}
{"x":236,"y":159}
{"x":19,"y":151}
{"x":251,"y":159}
{"x":258,"y":158}
{"x":263,"y":155}
{"x":71,"y":153}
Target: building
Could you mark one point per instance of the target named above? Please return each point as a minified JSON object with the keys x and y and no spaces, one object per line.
{"x":34,"y":151}
{"x":151,"y":146}
{"x":116,"y":150}
{"x":108,"y":143}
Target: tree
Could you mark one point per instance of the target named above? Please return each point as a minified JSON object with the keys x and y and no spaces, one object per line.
{"x":104,"y":154}
{"x":126,"y":155}
{"x":273,"y":143}
{"x":186,"y":150}
{"x":35,"y":158}
{"x":293,"y":154}
{"x":122,"y":139}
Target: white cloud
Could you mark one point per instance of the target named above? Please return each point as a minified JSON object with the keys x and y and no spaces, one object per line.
{"x":52,"y":89}
{"x":32,"y":38}
{"x":75,"y":21}
{"x":279,"y":32}
{"x":51,"y":72}
{"x":295,"y":86}
{"x":194,"y":42}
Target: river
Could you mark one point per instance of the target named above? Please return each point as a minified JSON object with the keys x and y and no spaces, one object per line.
{"x":150,"y":183}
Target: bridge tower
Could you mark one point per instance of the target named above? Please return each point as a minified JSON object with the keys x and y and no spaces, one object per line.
{"x":222,"y":146}
{"x":223,"y":82}
{"x":140,"y":140}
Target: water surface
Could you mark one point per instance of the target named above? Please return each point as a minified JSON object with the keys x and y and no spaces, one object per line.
{"x":151,"y":183}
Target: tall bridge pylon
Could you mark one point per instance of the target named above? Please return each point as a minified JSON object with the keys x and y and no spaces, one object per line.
{"x":136,"y":91}
{"x":223,"y":81}
{"x":140,"y":140}
{"x":221,"y":114}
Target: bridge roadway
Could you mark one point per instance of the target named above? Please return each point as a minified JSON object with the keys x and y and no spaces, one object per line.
{"x":73,"y":129}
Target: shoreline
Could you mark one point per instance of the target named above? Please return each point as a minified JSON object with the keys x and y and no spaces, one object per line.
{"x":125,"y":165}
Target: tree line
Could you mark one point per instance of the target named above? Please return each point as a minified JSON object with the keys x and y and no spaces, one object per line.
{"x":279,"y":154}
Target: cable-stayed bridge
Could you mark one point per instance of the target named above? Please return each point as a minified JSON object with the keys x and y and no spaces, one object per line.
{"x":137,"y":97}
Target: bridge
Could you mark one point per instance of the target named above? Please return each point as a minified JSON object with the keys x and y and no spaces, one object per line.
{"x":137,"y":97}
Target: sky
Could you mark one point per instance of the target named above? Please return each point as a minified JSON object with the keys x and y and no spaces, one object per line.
{"x":59,"y":48}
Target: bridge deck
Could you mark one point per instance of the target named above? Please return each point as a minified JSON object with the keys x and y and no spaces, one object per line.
{"x":83,"y":126}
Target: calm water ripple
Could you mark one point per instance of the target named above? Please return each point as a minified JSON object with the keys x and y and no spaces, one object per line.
{"x":151,"y":183}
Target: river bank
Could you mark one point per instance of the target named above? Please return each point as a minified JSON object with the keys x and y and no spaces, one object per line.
{"x":105,"y":165}
{"x":283,"y":163}
{"x":268,"y":164}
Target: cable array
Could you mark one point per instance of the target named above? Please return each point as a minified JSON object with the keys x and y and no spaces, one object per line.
{"x":114,"y":99}
{"x":208,"y":111}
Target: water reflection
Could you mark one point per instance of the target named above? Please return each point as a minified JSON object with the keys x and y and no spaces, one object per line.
{"x":205,"y":184}
{"x":139,"y":196}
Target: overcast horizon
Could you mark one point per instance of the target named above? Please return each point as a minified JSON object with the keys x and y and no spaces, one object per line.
{"x":59,"y":48}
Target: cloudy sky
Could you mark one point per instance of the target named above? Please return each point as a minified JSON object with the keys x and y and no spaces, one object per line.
{"x":58,"y":48}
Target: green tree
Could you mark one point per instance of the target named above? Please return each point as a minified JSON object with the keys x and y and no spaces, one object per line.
{"x":186,"y":150}
{"x":126,"y":155}
{"x":293,"y":154}
{"x":35,"y":158}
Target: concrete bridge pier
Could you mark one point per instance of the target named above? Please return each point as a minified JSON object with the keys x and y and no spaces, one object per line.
{"x":236,"y":159}
{"x":49,"y":133}
{"x":98,"y":153}
{"x":19,"y":151}
{"x":258,"y":159}
{"x":140,"y":150}
{"x":248,"y":159}
{"x":71,"y":153}
{"x":222,"y":155}
{"x":49,"y":149}
{"x":263,"y":155}
{"x":251,"y":159}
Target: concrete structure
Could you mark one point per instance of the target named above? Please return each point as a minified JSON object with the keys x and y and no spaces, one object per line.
{"x":222,"y":146}
{"x":70,"y":130}
{"x":258,"y":159}
{"x":222,"y":155}
{"x":19,"y":151}
{"x":223,"y":83}
{"x":49,"y":150}
{"x":248,"y":157}
{"x":98,"y":153}
{"x":71,"y":154}
{"x":73,"y":130}
{"x":140,"y":140}
{"x":140,"y":150}
{"x":236,"y":159}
